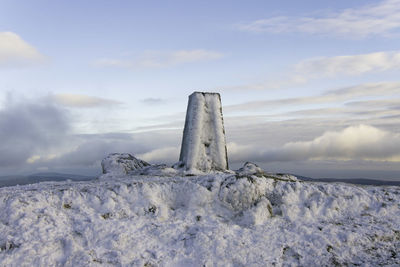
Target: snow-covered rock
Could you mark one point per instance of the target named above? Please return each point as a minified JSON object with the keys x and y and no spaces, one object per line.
{"x":250,"y":169}
{"x":158,"y":170}
{"x":121,"y":163}
{"x":203,"y":143}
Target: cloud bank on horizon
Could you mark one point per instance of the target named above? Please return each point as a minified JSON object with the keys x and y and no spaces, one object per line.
{"x":45,"y":140}
{"x":361,"y":142}
{"x":307,"y":92}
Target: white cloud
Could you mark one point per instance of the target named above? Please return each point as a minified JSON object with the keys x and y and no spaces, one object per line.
{"x":329,"y":67}
{"x":383,"y":89}
{"x":353,"y":143}
{"x":82,"y":101}
{"x":33,"y":159}
{"x":382,"y":19}
{"x":161,"y":155}
{"x":348,"y":65}
{"x":356,"y":142}
{"x":153,"y":101}
{"x":239,"y":153}
{"x":158,"y":59}
{"x":186,"y":56}
{"x":15,"y":52}
{"x":27,"y":129}
{"x":393,"y":103}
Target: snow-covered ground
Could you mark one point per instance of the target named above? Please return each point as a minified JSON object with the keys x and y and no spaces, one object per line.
{"x":246,"y":218}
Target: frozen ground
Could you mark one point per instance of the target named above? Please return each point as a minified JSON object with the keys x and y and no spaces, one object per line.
{"x":247,"y":218}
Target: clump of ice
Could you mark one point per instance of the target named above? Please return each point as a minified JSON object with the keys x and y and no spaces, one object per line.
{"x":203,"y":143}
{"x":121,"y":163}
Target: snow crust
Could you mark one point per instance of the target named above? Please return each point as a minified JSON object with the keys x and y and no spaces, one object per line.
{"x":203,"y":143}
{"x":246,"y":218}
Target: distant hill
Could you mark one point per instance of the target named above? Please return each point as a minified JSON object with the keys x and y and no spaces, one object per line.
{"x":360,"y":181}
{"x":12,"y":180}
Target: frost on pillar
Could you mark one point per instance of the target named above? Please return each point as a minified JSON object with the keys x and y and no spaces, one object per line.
{"x":203,"y":143}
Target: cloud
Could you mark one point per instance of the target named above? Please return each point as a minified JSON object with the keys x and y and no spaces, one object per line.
{"x":240,"y":152}
{"x":332,"y":96}
{"x":87,"y":150}
{"x":27,"y":128}
{"x":37,"y":134}
{"x":158,"y":59}
{"x":153,"y":101}
{"x":93,"y":149}
{"x":162,"y":155}
{"x":348,"y":65}
{"x":382,"y":19}
{"x":82,"y":101}
{"x":187,"y":56}
{"x":329,"y":67}
{"x":362,"y":142}
{"x":393,"y":103}
{"x":356,"y":142}
{"x":15,"y":52}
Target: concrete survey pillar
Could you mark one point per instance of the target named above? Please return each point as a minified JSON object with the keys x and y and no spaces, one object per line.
{"x":203,"y":143}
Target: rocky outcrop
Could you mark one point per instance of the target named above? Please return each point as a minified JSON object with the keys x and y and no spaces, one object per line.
{"x":250,"y":170}
{"x":122,"y":163}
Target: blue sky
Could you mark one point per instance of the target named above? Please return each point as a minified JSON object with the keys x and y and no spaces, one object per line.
{"x":307,"y":87}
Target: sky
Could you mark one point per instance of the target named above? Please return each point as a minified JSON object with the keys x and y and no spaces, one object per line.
{"x":308,"y":87}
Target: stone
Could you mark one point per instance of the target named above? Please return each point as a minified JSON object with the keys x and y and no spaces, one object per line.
{"x":121,"y":163}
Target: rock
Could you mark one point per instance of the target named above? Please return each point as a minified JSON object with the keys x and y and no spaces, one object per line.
{"x":121,"y":163}
{"x":203,"y":143}
{"x":250,"y":169}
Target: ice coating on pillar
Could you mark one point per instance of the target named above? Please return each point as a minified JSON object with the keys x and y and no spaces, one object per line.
{"x":203,"y":143}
